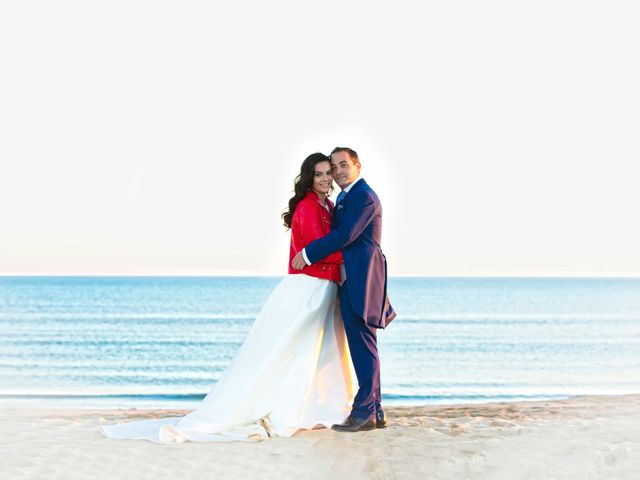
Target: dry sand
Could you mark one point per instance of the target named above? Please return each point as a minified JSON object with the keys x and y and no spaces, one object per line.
{"x":580,"y":438}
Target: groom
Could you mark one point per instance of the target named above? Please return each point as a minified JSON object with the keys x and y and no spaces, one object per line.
{"x":356,"y":231}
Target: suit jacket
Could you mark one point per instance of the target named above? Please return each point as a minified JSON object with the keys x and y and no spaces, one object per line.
{"x":356,"y":230}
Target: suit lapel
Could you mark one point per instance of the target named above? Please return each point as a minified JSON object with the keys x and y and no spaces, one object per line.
{"x":337,"y":213}
{"x":339,"y":209}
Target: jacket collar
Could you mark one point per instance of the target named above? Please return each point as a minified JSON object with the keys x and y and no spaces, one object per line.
{"x":356,"y":184}
{"x":352,"y":184}
{"x":313,"y":196}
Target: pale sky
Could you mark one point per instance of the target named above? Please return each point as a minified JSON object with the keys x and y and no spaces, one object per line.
{"x":163,"y":137}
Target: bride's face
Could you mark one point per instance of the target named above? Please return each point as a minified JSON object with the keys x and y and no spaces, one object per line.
{"x":322,"y":178}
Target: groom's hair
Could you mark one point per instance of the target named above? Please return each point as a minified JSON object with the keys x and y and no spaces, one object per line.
{"x":352,"y":153}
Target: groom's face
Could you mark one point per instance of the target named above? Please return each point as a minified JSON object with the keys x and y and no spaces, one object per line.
{"x":345,"y":171}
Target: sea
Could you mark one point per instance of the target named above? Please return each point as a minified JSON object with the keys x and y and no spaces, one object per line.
{"x":163,"y":342}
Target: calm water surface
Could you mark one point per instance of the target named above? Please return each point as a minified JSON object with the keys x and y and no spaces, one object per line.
{"x":164,"y":341}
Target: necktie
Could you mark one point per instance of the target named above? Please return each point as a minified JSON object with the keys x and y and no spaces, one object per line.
{"x":341,"y":196}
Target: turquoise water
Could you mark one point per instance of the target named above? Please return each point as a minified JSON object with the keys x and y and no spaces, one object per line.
{"x":164,"y":341}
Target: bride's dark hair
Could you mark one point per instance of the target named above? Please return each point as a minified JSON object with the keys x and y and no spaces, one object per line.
{"x":303,"y":184}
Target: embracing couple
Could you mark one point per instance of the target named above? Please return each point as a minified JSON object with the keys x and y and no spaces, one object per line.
{"x":294,"y":369}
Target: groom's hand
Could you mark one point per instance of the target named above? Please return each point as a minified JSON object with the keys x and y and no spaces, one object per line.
{"x":298,"y":261}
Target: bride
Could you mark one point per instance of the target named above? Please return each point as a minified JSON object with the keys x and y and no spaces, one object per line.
{"x":293,"y":370}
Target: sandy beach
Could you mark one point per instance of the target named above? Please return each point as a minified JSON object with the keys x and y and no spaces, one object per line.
{"x":579,"y":438}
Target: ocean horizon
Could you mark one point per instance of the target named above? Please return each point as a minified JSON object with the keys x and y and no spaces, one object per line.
{"x":163,"y":341}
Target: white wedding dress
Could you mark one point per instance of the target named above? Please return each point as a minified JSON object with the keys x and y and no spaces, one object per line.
{"x":292,"y":372}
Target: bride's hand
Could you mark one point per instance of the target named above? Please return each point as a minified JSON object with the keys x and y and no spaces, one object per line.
{"x":298,"y":262}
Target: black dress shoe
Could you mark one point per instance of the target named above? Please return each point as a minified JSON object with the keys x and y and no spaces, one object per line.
{"x":346,"y":423}
{"x":352,"y":424}
{"x":381,"y":419}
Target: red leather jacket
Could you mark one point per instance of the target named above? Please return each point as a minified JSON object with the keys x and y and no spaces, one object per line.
{"x":311,"y":221}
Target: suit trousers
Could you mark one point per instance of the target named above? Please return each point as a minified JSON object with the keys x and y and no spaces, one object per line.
{"x":363,"y":345}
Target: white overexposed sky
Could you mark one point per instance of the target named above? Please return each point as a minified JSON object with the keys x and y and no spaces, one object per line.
{"x":163,"y":137}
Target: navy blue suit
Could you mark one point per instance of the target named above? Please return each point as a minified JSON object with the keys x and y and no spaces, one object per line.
{"x":356,"y":230}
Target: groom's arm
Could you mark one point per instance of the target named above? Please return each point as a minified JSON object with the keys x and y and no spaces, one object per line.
{"x":363,"y":209}
{"x":309,"y":228}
